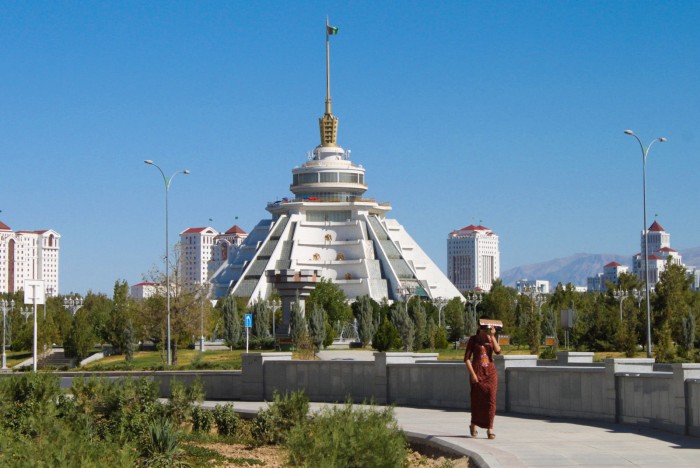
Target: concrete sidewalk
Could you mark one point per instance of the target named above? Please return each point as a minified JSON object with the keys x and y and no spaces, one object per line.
{"x":523,"y":441}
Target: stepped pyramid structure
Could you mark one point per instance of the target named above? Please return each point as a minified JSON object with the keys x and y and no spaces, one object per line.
{"x":328,"y":229}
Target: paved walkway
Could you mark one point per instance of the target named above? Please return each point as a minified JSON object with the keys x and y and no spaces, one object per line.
{"x":523,"y":441}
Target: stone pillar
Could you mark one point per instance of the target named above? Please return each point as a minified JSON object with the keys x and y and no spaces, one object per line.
{"x":610,"y":392}
{"x":679,"y":403}
{"x":502,"y":363}
{"x":253,"y":373}
{"x":570,"y":357}
{"x":381,"y":379}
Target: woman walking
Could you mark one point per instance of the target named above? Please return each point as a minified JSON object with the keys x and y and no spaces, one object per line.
{"x":482,"y":375}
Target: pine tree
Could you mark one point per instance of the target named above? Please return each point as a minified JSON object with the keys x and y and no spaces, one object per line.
{"x":232,"y":325}
{"x":317,"y":326}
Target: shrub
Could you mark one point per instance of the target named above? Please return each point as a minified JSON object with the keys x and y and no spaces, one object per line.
{"x":179,"y":406}
{"x":161,"y":447}
{"x":26,"y":397}
{"x":286,"y":411}
{"x":226,"y":419}
{"x":386,"y":337}
{"x":202,"y":419}
{"x":342,"y":436}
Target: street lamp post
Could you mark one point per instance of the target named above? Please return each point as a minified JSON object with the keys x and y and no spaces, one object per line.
{"x":72,"y":304}
{"x":406,"y":292}
{"x":167,"y":181}
{"x":474,"y":299}
{"x":620,"y":295}
{"x":645,"y":153}
{"x":6,"y":307}
{"x":440,"y":302}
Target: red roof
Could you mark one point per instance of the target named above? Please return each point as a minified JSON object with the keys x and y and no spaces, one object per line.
{"x":667,"y":249}
{"x":235,"y":230}
{"x":612,"y":264}
{"x":472,"y":228}
{"x":145,"y":284}
{"x":4,"y":227}
{"x":193,"y":230}
{"x":654,"y":257}
{"x":656,"y":227}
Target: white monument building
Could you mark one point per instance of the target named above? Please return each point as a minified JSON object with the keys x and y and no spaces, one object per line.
{"x":28,"y":255}
{"x":660,"y":250}
{"x":329,"y":229}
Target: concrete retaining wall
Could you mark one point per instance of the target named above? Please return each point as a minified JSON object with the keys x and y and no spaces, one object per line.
{"x":618,"y":390}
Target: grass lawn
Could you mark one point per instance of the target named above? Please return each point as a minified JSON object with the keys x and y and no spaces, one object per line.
{"x":186,"y":359}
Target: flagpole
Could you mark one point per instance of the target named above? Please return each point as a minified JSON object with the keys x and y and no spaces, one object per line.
{"x":328,"y":71}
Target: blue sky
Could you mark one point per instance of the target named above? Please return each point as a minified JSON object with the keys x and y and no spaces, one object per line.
{"x":508,"y":114}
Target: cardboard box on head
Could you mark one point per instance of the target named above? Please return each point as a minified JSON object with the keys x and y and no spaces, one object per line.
{"x":488,"y":323}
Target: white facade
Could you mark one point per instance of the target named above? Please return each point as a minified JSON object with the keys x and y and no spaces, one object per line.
{"x":329,"y":227}
{"x":145,"y":290}
{"x":473,"y":258}
{"x":28,"y":255}
{"x":196,"y":245}
{"x":525,"y":285}
{"x":660,"y":250}
{"x":225,"y":244}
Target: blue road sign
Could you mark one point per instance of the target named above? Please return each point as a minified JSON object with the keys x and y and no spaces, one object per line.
{"x":248,"y":320}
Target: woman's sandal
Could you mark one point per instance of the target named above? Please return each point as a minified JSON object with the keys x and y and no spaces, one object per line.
{"x":473,"y":431}
{"x":491,"y":435}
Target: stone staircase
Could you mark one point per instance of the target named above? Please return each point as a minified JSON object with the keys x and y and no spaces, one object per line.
{"x":56,"y":360}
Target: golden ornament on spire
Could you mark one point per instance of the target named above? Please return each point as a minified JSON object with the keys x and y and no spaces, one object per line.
{"x":328,"y":124}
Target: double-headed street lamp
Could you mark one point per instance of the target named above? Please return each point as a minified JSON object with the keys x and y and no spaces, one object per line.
{"x":406,"y":292}
{"x":167,"y":181}
{"x":645,"y":153}
{"x":72,"y":304}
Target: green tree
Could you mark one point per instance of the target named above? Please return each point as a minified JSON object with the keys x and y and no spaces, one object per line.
{"x":297,"y":323}
{"x":119,"y":316}
{"x":232,"y":322}
{"x":366,"y":321}
{"x":332,"y":299}
{"x":404,"y":325}
{"x":81,"y":337}
{"x":317,"y":326}
{"x":420,"y":322}
{"x":499,"y":304}
{"x":672,"y":299}
{"x":454,"y":318}
{"x":387,"y":337}
{"x":262,"y":317}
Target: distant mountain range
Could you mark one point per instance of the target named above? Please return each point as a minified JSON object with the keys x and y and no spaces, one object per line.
{"x":576,"y":268}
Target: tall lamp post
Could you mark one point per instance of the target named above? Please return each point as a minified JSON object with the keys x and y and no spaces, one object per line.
{"x":645,"y":153}
{"x":167,"y":181}
{"x":72,"y":304}
{"x":406,"y":292}
{"x":620,"y":295}
{"x":6,"y":307}
{"x":440,"y":302}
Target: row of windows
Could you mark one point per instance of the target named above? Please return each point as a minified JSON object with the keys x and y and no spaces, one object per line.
{"x":328,"y":177}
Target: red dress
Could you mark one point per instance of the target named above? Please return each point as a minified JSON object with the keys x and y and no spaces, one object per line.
{"x":483,"y":392}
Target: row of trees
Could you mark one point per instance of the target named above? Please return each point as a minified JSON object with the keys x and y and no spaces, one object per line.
{"x":609,"y":321}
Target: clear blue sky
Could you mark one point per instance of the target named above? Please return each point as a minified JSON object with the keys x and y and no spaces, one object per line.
{"x":508,"y":114}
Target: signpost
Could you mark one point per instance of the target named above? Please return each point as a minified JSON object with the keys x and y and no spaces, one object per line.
{"x":34,"y":294}
{"x":248,"y":322}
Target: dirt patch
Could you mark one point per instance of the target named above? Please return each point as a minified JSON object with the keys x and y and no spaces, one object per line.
{"x":276,"y":457}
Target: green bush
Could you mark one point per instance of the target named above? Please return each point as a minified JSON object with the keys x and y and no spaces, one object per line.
{"x":202,"y":419}
{"x":179,"y":406}
{"x":548,"y":353}
{"x":226,"y":419}
{"x":271,"y":425}
{"x":343,"y":436}
{"x":24,"y":398}
{"x":161,"y":447}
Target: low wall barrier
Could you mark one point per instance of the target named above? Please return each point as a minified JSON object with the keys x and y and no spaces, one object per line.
{"x":627,"y":391}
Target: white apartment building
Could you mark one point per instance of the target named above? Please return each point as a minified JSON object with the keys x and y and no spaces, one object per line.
{"x":145,"y":290}
{"x":28,"y":255}
{"x":473,"y":258}
{"x":660,"y":250}
{"x":204,"y":250}
{"x":525,"y":285}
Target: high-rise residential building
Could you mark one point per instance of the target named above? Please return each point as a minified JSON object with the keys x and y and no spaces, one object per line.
{"x":328,"y":229}
{"x":28,"y":255}
{"x":660,"y":250}
{"x":204,"y":249}
{"x":145,"y":290}
{"x":473,"y":258}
